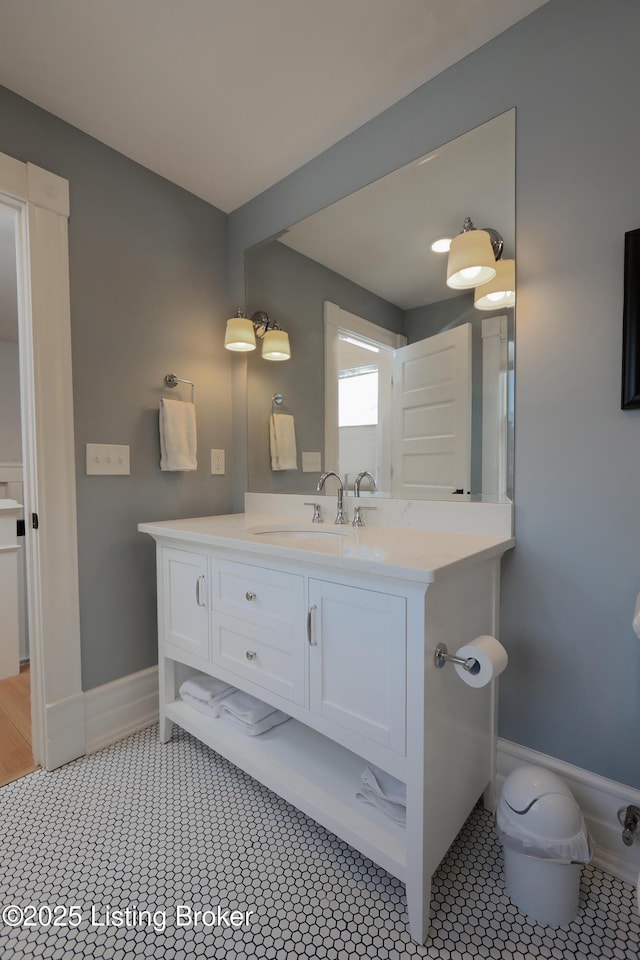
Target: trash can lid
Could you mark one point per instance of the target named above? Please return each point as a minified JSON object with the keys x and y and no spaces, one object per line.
{"x":529,"y":783}
{"x":552,"y":817}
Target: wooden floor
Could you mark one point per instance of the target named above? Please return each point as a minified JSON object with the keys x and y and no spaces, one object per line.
{"x":16,"y":758}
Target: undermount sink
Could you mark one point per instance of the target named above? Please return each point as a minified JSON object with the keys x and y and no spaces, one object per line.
{"x":294,"y":532}
{"x":317,"y":538}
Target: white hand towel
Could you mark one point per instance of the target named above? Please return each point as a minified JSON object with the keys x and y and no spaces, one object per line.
{"x":282,"y":437}
{"x":247,"y":708}
{"x":206,"y":689}
{"x":253,"y":729}
{"x":178,"y":443}
{"x":384,"y":785}
{"x":395,"y":811}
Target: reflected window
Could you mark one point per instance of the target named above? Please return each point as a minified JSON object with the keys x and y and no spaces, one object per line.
{"x":358,"y":397}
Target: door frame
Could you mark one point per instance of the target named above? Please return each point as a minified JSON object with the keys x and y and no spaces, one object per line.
{"x":40,"y":202}
{"x":336,"y":319}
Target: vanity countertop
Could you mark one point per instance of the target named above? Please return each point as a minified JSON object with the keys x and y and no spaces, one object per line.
{"x":408,"y":554}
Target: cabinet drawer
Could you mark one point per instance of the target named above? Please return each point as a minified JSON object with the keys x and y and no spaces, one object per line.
{"x":267,"y":598}
{"x":271,"y":660}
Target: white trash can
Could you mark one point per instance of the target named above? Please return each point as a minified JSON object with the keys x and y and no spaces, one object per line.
{"x":545,"y":843}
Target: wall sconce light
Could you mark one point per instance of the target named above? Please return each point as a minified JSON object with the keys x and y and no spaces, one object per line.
{"x":499,"y":292}
{"x":472,"y":256}
{"x":241,"y":335}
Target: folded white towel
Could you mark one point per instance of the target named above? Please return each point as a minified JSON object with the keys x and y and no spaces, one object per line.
{"x":247,"y":708}
{"x":282,"y":437}
{"x":384,"y":785}
{"x":205,"y":693}
{"x":395,"y":811}
{"x":178,"y":443}
{"x":252,"y":729}
{"x":208,"y":709}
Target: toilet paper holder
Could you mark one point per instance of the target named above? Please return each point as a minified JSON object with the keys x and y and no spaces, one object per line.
{"x":442,"y":657}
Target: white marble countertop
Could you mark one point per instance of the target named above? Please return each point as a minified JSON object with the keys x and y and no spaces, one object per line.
{"x":409,"y":554}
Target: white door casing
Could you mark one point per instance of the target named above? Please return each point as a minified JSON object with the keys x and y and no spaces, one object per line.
{"x":336,"y":320}
{"x":40,"y":201}
{"x":432,"y":417}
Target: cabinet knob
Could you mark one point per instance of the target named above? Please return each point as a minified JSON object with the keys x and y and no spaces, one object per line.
{"x":249,"y":595}
{"x":251,"y":654}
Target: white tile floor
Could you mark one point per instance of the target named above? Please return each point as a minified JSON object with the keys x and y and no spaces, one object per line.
{"x":143,"y":826}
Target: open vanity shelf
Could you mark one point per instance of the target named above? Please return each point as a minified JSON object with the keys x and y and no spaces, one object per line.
{"x":315,"y":774}
{"x":344,"y":646}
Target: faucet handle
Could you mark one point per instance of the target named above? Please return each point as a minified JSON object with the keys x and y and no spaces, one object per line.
{"x":358,"y":519}
{"x":317,"y":516}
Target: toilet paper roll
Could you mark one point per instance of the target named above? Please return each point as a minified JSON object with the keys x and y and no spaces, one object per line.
{"x":490,"y":660}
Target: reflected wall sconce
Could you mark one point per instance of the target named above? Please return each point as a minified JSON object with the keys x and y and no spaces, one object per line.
{"x":499,"y":292}
{"x":242,"y":331}
{"x":472,"y":256}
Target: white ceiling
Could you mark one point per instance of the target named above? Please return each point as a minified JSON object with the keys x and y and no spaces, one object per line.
{"x":226,"y":97}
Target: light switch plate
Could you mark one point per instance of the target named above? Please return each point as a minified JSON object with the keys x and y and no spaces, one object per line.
{"x":108,"y":459}
{"x":311,"y":462}
{"x":217,"y":462}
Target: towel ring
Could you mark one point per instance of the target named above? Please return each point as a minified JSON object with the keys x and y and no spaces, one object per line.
{"x":172,"y":381}
{"x":277,"y":401}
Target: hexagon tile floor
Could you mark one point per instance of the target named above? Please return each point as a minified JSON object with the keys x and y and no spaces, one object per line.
{"x":109,"y":857}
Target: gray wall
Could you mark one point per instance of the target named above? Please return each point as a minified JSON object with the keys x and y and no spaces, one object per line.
{"x":572,"y":688}
{"x":148,"y":297}
{"x":292,"y":289}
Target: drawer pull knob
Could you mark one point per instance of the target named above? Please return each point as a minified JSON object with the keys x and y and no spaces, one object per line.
{"x":250,"y":654}
{"x":249,"y":595}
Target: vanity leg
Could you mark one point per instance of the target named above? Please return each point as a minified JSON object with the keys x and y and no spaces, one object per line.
{"x":419,"y":909}
{"x":167,"y":693}
{"x":490,"y":795}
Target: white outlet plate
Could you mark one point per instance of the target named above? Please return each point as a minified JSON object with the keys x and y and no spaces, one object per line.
{"x":108,"y":459}
{"x":217,"y":462}
{"x":311,"y":462}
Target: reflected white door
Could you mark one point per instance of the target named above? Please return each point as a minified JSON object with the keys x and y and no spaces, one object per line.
{"x":432,"y":417}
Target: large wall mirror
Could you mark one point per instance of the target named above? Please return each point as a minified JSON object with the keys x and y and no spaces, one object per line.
{"x":366,"y":305}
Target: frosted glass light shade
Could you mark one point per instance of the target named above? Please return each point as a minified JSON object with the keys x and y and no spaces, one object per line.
{"x":275,"y":345}
{"x":471,"y":260}
{"x":499,"y":292}
{"x":240,"y":334}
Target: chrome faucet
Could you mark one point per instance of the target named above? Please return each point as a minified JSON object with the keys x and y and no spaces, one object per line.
{"x":360,"y":478}
{"x":340,"y":515}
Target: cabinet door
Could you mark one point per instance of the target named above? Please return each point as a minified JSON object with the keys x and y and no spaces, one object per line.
{"x":357,"y":644}
{"x":185,"y":601}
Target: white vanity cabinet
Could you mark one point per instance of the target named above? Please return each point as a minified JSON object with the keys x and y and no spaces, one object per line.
{"x":345,"y":646}
{"x":185,"y":610}
{"x":357,"y":661}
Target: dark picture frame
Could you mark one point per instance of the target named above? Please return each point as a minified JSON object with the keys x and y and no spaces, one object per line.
{"x":631,"y":322}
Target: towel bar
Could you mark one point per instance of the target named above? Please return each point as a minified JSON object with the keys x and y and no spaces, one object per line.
{"x":172,"y":381}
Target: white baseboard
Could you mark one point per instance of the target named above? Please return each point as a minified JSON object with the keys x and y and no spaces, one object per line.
{"x":65,"y":732}
{"x":599,"y":798}
{"x":119,"y":708}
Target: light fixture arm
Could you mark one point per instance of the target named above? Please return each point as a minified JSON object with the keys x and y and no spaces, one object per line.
{"x":262,"y":323}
